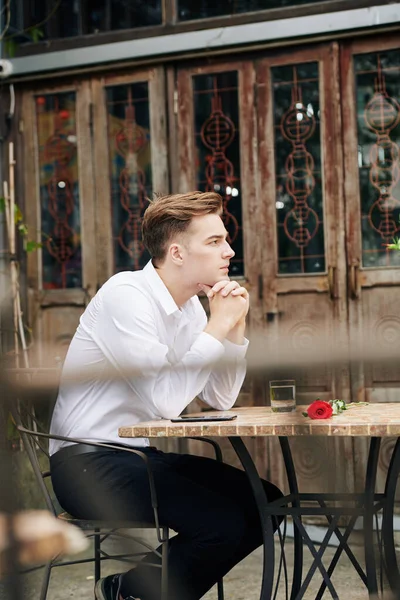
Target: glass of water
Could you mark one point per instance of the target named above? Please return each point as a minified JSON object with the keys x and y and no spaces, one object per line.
{"x":283,"y":395}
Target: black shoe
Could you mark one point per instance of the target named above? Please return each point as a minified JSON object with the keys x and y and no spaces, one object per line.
{"x":109,"y":587}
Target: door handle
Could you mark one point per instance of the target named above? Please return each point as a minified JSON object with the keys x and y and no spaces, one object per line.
{"x":354,"y":287}
{"x":332,"y":283}
{"x":270,"y":316}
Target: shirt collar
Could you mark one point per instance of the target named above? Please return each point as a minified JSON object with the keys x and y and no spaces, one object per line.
{"x":161,"y":292}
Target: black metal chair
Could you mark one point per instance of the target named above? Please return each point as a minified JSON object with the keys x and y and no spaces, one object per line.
{"x":29,"y":429}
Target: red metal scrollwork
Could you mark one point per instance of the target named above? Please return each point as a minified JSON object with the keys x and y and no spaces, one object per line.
{"x":60,"y":152}
{"x":217,"y":133}
{"x":382,"y":114}
{"x":129,"y":141}
{"x":297,"y":126}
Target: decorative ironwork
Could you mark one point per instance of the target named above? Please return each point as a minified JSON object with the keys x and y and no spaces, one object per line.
{"x":297,"y":126}
{"x":217,"y":132}
{"x":58,"y":155}
{"x":382,"y":114}
{"x":299,"y":195}
{"x":130,"y":155}
{"x":129,"y":141}
{"x":377,"y":92}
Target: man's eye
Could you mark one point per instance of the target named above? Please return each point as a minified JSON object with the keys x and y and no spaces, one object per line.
{"x":214,"y":242}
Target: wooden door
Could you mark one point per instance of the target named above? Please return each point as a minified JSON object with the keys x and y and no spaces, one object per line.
{"x":218,"y":152}
{"x":371,"y":125}
{"x":60,"y":210}
{"x":304,"y":284}
{"x":229,"y":117}
{"x":95,"y":150}
{"x":370,"y":72}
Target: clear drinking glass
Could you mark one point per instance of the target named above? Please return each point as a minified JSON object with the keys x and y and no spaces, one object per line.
{"x":283,"y":395}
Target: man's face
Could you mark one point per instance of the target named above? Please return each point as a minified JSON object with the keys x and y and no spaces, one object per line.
{"x":206,"y":252}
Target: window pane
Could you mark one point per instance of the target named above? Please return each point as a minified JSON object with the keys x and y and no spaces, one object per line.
{"x":203,"y":9}
{"x":126,"y":14}
{"x":129,"y":145}
{"x":106,"y":15}
{"x":378,"y":122}
{"x":217,"y":146}
{"x":299,"y":196}
{"x":59,"y":191}
{"x":70,"y":18}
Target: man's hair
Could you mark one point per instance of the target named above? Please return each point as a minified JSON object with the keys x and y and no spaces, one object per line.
{"x":167,"y":216}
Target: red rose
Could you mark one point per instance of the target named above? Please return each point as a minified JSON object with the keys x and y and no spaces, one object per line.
{"x":320,"y":410}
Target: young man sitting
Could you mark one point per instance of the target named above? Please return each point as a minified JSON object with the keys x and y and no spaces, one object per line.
{"x":150,"y":328}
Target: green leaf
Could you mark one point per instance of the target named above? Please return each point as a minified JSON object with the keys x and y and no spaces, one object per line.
{"x":31,"y":246}
{"x":304,"y":414}
{"x":395,"y":244}
{"x":36,"y":34}
{"x":10,"y":47}
{"x":17,"y":214}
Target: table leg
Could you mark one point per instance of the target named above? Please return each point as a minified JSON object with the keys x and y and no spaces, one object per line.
{"x":298,"y":540}
{"x":392,"y":569}
{"x":370,"y":484}
{"x":265,"y":518}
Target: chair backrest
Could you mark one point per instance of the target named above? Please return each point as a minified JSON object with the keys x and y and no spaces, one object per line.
{"x":23,"y":414}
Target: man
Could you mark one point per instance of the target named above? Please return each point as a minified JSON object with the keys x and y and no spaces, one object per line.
{"x":149,"y":328}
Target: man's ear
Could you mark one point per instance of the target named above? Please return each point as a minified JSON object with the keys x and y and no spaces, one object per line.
{"x":176,"y":254}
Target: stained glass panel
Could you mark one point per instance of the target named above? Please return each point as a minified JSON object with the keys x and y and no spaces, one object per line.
{"x":59,"y":191}
{"x":217,"y":147}
{"x":129,"y":144}
{"x":378,"y":124}
{"x":299,"y":194}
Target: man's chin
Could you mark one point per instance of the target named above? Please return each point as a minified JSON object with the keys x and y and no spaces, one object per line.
{"x":222,"y":277}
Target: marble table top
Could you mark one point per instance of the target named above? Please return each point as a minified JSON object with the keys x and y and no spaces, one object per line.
{"x":380,"y":420}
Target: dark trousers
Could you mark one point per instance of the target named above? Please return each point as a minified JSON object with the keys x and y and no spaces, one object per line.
{"x":209,"y":504}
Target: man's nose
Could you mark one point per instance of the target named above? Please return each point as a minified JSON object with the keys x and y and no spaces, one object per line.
{"x":228,"y":252}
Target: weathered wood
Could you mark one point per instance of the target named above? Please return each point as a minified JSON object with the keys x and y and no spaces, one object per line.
{"x":187,"y":180}
{"x":172,"y":136}
{"x":267,"y":194}
{"x":104,"y":235}
{"x":158,"y":131}
{"x":31,"y":207}
{"x":86,"y":187}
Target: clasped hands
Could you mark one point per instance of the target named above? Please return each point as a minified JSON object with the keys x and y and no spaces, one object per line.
{"x":229,"y":305}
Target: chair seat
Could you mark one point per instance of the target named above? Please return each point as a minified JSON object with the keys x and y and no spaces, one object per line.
{"x":87,"y":524}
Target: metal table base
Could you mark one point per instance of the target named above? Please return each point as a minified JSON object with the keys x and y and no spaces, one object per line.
{"x":366,"y":504}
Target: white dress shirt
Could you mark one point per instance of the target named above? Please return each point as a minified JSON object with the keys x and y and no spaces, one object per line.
{"x":133,"y":324}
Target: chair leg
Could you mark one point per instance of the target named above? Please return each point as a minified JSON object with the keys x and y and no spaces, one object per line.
{"x":164,"y":565}
{"x":97,"y":556}
{"x":220,"y":588}
{"x":46,"y":581}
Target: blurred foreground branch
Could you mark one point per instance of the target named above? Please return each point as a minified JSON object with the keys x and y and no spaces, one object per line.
{"x":264,"y":356}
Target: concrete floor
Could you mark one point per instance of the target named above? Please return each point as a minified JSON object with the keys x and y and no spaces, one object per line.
{"x":242,"y":583}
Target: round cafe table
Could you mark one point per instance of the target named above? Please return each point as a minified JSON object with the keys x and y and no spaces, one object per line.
{"x":373,"y":421}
